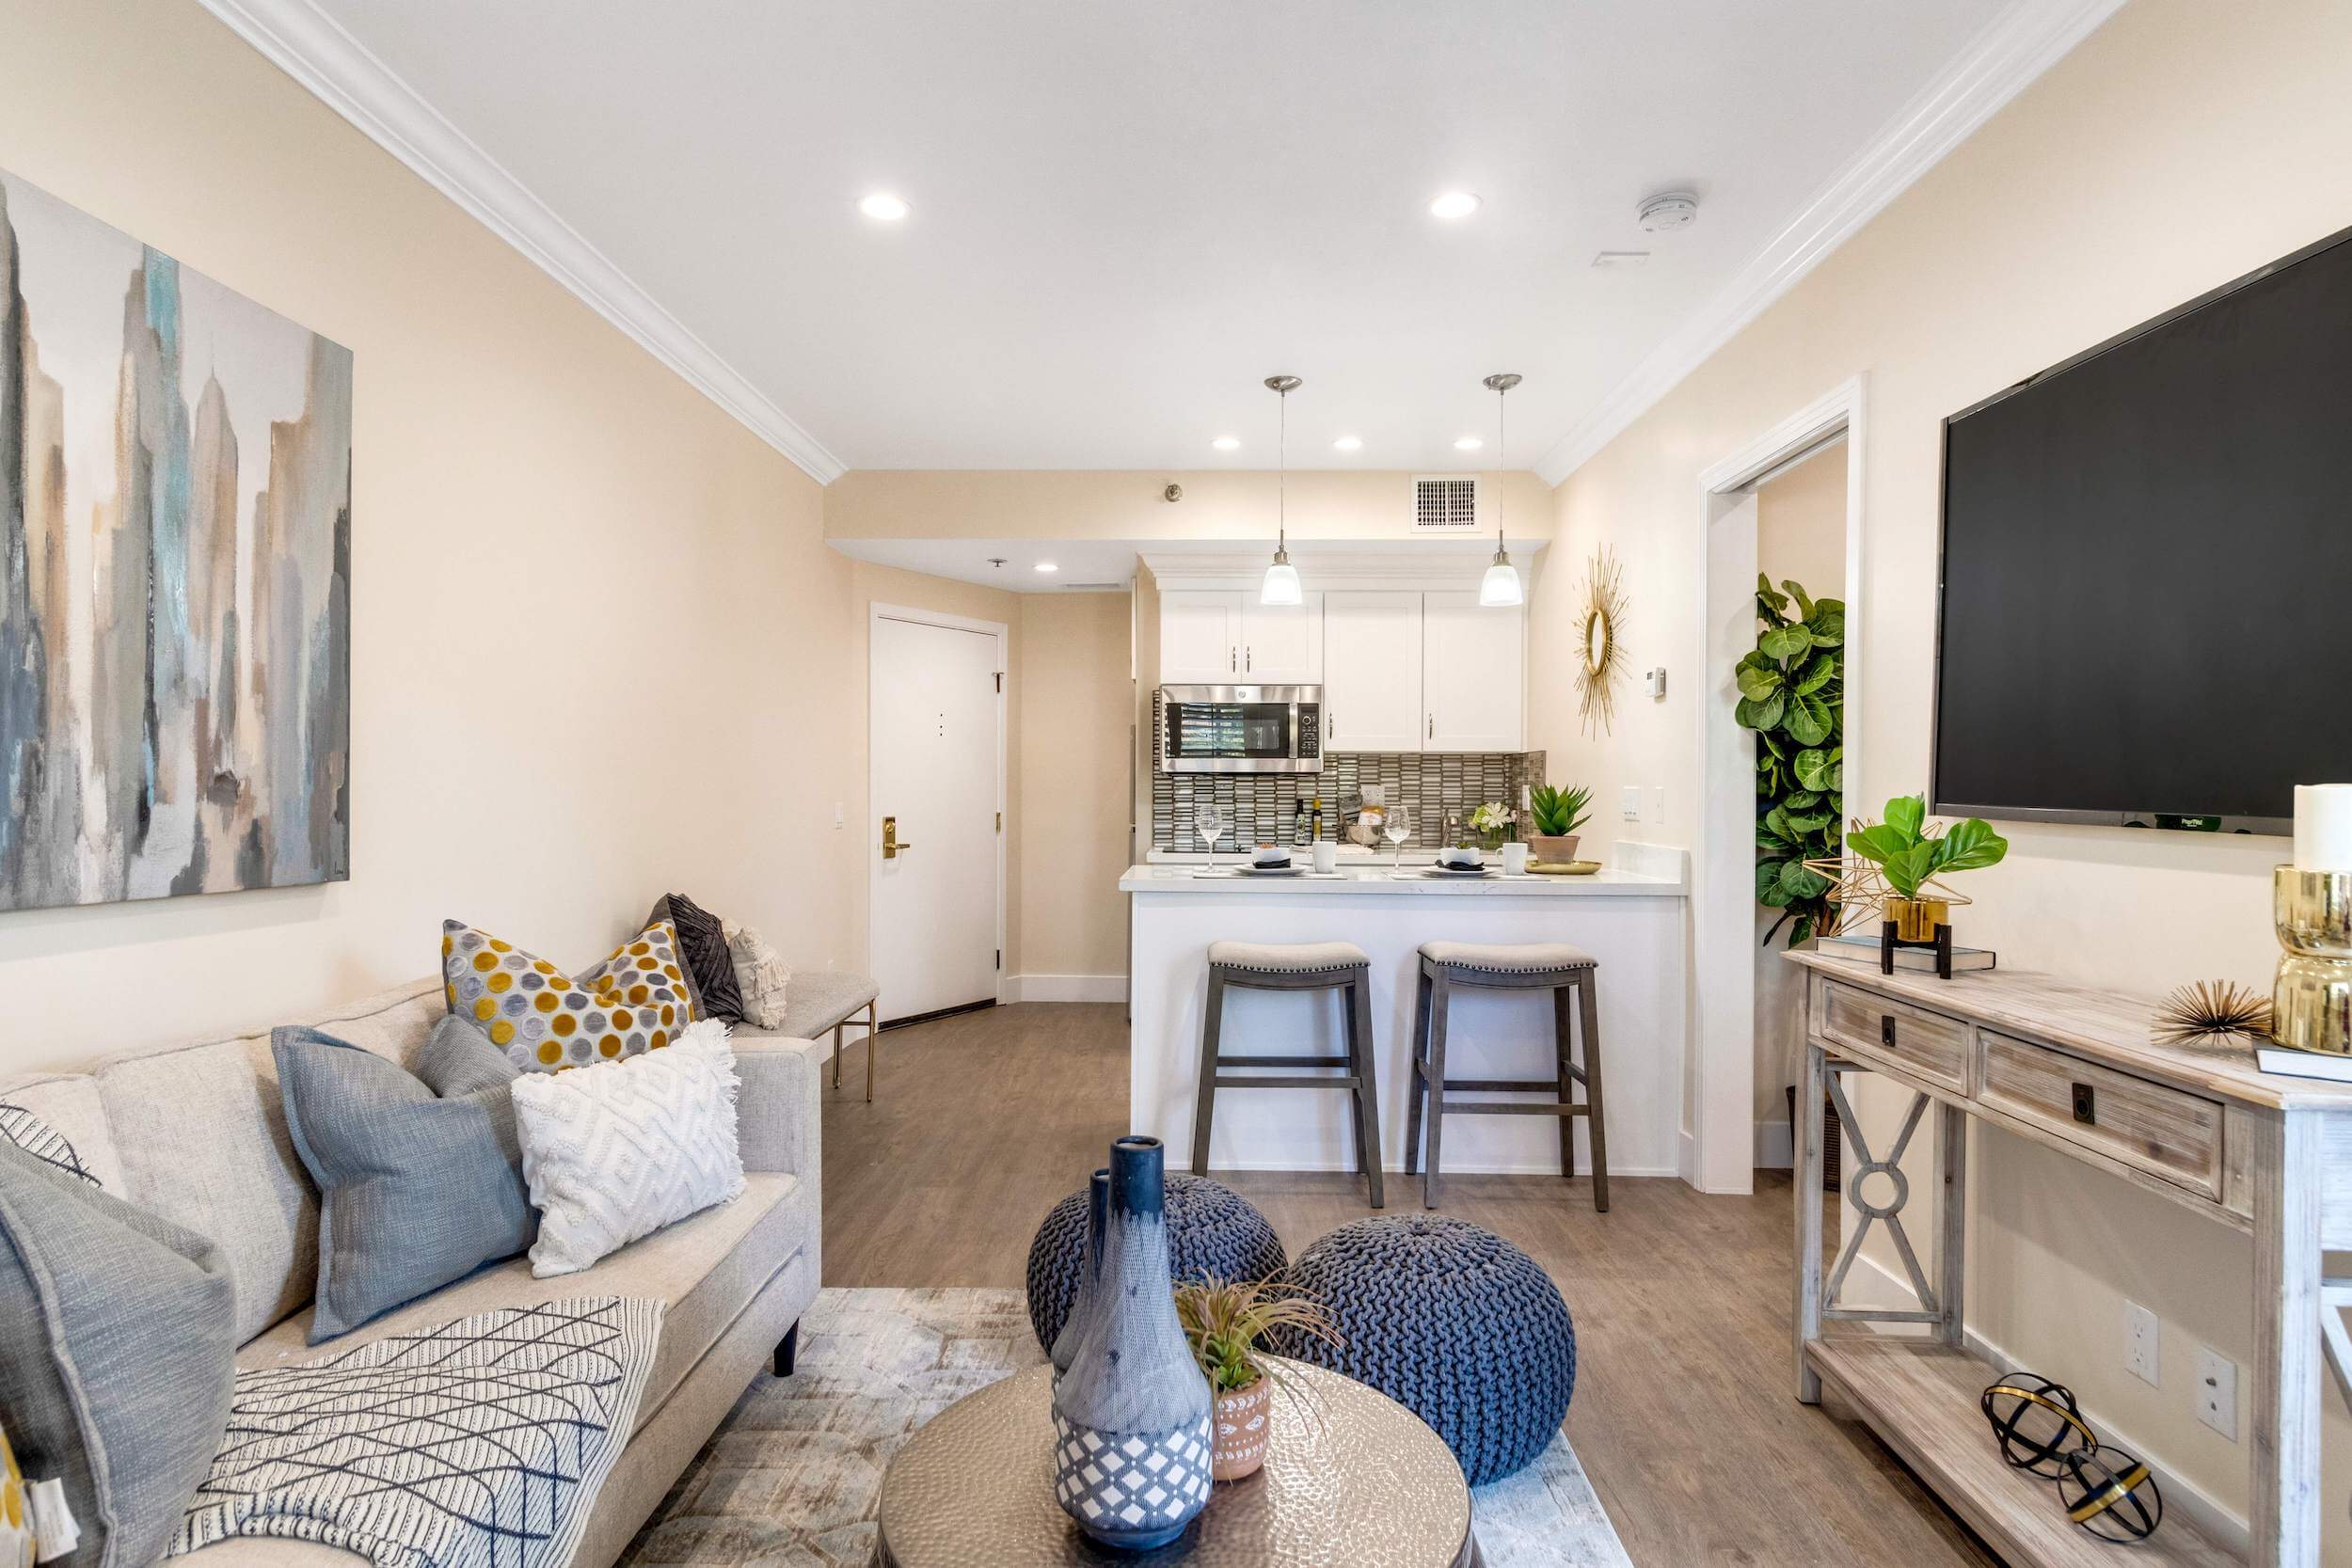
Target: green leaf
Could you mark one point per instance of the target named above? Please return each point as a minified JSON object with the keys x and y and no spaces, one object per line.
{"x":1776,"y":821}
{"x":1815,"y":768}
{"x":1798,"y":799}
{"x":1970,"y":846}
{"x":1768,"y":877}
{"x":1907,"y":815}
{"x":1799,"y":881}
{"x":1879,"y":843}
{"x":1769,"y":602}
{"x":1809,"y":822}
{"x":1784,"y":642}
{"x":1802,"y":932}
{"x":1809,"y":720}
{"x":1756,"y":681}
{"x":1906,"y":869}
{"x":1761,"y":716}
{"x":1815,"y":674}
{"x":1805,"y":600}
{"x":1826,"y":623}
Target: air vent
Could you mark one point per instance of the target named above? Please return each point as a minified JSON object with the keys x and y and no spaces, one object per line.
{"x":1445,"y":501}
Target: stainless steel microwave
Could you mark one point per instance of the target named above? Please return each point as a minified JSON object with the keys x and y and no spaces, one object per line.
{"x":1241,"y":729}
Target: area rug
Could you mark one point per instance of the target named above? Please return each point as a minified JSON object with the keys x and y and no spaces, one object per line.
{"x":791,"y":1478}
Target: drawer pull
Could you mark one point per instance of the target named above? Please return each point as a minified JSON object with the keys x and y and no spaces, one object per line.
{"x":1887,"y":1030}
{"x":2086,"y":1105}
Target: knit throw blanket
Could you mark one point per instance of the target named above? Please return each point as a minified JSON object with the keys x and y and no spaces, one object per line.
{"x":479,"y":1444}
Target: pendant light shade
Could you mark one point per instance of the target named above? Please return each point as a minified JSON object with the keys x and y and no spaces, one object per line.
{"x":1501,"y":588}
{"x":1280,"y":586}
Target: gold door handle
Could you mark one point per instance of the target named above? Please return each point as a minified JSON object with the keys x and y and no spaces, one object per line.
{"x":891,"y":842}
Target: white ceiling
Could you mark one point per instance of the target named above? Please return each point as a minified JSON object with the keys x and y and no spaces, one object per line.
{"x":1104,"y":565}
{"x":1125,"y":214}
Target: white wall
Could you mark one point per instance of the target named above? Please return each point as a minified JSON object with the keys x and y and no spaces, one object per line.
{"x":2180,"y":145}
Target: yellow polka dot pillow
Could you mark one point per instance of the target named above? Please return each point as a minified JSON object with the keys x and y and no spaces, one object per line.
{"x":546,"y":1021}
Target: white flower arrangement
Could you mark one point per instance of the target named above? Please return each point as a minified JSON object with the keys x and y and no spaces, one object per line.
{"x":1492,"y":817}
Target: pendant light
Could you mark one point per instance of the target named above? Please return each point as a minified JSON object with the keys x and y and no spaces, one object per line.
{"x":1282,"y":579}
{"x":1500,"y":588}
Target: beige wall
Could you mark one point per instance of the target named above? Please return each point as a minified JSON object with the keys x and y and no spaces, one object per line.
{"x":2180,"y":145}
{"x":884,"y":504}
{"x":1800,"y":536}
{"x":593,"y":622}
{"x":1078,"y":692}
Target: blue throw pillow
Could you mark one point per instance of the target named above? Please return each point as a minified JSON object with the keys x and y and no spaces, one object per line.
{"x":416,"y":1190}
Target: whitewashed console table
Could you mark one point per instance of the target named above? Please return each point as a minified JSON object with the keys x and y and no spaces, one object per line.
{"x":2074,"y":1069}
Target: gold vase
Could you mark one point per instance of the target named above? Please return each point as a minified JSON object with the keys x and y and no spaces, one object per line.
{"x":1915,"y":919}
{"x":2311,"y":1002}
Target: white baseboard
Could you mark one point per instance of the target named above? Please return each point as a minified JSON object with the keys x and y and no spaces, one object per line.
{"x":1551,"y":1168}
{"x":2227,"y":1528}
{"x":1065,"y":988}
{"x":1774,"y":1148}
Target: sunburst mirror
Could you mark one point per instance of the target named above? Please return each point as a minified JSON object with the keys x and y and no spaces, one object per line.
{"x":1603,"y":664}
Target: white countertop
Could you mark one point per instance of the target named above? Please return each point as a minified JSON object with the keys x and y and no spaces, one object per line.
{"x":1609,"y":882}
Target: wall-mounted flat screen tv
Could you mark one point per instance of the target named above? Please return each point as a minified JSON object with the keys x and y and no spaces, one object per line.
{"x":2146,"y":612}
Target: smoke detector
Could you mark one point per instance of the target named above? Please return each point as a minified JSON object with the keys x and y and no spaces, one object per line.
{"x":1670,"y":210}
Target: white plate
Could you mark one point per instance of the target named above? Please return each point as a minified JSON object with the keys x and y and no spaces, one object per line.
{"x":1274,"y":870}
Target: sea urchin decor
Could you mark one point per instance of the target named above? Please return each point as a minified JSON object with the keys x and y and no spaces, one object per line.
{"x":2211,"y":1012}
{"x":1603,"y":662}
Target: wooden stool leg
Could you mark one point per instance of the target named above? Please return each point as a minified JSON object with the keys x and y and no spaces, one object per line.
{"x":873,"y":1037}
{"x":1560,"y":1042}
{"x":1212,"y":1024}
{"x":837,"y":1055}
{"x":1367,"y":1087}
{"x":1589,"y":1006}
{"x":1441,"y":1002}
{"x":1416,"y":1052}
{"x":1353,"y":1035}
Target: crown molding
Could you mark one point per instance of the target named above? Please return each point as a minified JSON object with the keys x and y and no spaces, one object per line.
{"x":2001,"y":63}
{"x":313,"y":49}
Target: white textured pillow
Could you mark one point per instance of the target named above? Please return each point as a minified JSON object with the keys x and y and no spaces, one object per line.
{"x":617,"y":1149}
{"x":759,"y":974}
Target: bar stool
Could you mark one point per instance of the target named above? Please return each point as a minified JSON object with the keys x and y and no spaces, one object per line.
{"x":1550,"y":966}
{"x":1308,"y":966}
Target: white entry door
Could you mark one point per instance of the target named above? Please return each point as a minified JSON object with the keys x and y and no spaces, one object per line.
{"x":936,"y":717}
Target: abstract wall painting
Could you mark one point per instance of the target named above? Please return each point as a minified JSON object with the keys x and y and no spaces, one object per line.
{"x":175,"y":575}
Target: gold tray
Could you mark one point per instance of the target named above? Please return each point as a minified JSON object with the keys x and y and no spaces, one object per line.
{"x":1563,"y":868}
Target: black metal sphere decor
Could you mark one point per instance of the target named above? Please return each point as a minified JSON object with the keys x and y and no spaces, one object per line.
{"x":1211,"y":1230}
{"x":2036,"y":1422}
{"x":2110,"y":1493}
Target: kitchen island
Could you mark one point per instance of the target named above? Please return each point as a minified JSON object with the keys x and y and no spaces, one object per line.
{"x":1630,"y":916}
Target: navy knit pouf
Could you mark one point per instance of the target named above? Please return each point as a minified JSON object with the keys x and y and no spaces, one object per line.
{"x":1453,"y":1323}
{"x":1211,"y":1230}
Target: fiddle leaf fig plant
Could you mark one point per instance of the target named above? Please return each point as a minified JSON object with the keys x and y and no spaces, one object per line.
{"x":1792,"y":694}
{"x":1907,"y":853}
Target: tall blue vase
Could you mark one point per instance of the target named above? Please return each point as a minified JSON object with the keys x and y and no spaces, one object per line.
{"x":1131,"y":1412}
{"x":1089,"y":1271}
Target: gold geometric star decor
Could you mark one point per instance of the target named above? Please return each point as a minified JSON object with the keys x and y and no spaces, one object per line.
{"x":1603,"y":662}
{"x":1858,"y":890}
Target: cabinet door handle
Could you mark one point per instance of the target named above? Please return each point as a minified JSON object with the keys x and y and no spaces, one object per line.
{"x":1231,"y":660}
{"x":1430,"y":731}
{"x":1887,"y":1030}
{"x":1248,"y":660}
{"x":2086,"y":1105}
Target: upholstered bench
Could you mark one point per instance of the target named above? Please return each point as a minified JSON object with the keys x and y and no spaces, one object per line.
{"x":819,"y":1000}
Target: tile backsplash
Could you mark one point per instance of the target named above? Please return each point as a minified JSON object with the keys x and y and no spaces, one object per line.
{"x":1264,"y":806}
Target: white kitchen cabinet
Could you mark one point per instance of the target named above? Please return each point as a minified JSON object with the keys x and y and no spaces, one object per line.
{"x":1219,"y":638}
{"x":1372,"y":672}
{"x":1473,"y":683}
{"x":1199,"y":638}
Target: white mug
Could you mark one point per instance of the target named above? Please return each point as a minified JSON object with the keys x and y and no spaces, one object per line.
{"x":1327,"y":857}
{"x":1514,"y":859}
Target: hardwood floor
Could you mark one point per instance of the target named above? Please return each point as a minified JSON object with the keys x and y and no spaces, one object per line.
{"x":1683,"y":1415}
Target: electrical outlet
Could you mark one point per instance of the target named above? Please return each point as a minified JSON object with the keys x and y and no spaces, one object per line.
{"x":1629,"y":802}
{"x":2140,"y":1337}
{"x":2217,"y":1392}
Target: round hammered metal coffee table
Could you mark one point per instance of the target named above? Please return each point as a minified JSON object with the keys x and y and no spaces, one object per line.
{"x":1352,"y":1480}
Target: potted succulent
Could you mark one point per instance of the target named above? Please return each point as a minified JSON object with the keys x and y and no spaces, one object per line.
{"x":1911,"y":856}
{"x":1227,"y":1322}
{"x":1557,"y":814}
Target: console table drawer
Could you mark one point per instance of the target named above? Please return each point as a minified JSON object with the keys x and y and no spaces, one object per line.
{"x":2152,"y":1127}
{"x":1929,"y":1044}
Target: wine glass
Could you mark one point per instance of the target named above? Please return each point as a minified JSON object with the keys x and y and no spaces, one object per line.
{"x":1396,"y":825}
{"x":1208,"y":820}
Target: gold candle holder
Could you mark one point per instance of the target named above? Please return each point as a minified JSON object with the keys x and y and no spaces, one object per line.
{"x":2311,"y":1002}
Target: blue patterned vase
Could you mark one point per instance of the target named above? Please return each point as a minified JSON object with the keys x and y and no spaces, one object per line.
{"x":1089,"y":1269}
{"x":1131,"y":1412}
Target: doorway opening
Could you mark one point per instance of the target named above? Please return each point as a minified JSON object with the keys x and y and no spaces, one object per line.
{"x":1808,"y":465}
{"x":935,"y":730}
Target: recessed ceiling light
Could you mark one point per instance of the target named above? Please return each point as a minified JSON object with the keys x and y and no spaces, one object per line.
{"x":1227,"y":443}
{"x":1453,"y":204}
{"x":1469,"y":443}
{"x":1349,"y":443}
{"x":1047,"y":566}
{"x":884,"y":205}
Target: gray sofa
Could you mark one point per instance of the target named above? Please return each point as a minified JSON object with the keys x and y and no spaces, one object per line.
{"x":196,"y":1133}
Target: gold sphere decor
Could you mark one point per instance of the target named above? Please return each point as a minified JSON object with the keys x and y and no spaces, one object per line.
{"x":1603,"y":663}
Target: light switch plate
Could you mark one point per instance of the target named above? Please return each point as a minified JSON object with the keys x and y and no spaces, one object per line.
{"x":2217,"y":1392}
{"x":1658,"y":802}
{"x":2141,"y":1337}
{"x":1629,"y":802}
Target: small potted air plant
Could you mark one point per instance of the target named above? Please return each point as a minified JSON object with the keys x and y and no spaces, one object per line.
{"x":1557,"y":814}
{"x":1228,"y":1322}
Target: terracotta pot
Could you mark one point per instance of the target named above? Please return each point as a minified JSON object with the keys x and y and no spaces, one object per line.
{"x":1240,"y":1420}
{"x":1552,"y":848}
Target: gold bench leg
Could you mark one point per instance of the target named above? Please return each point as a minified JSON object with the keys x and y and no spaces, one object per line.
{"x":873,"y":1037}
{"x":836,"y":1055}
